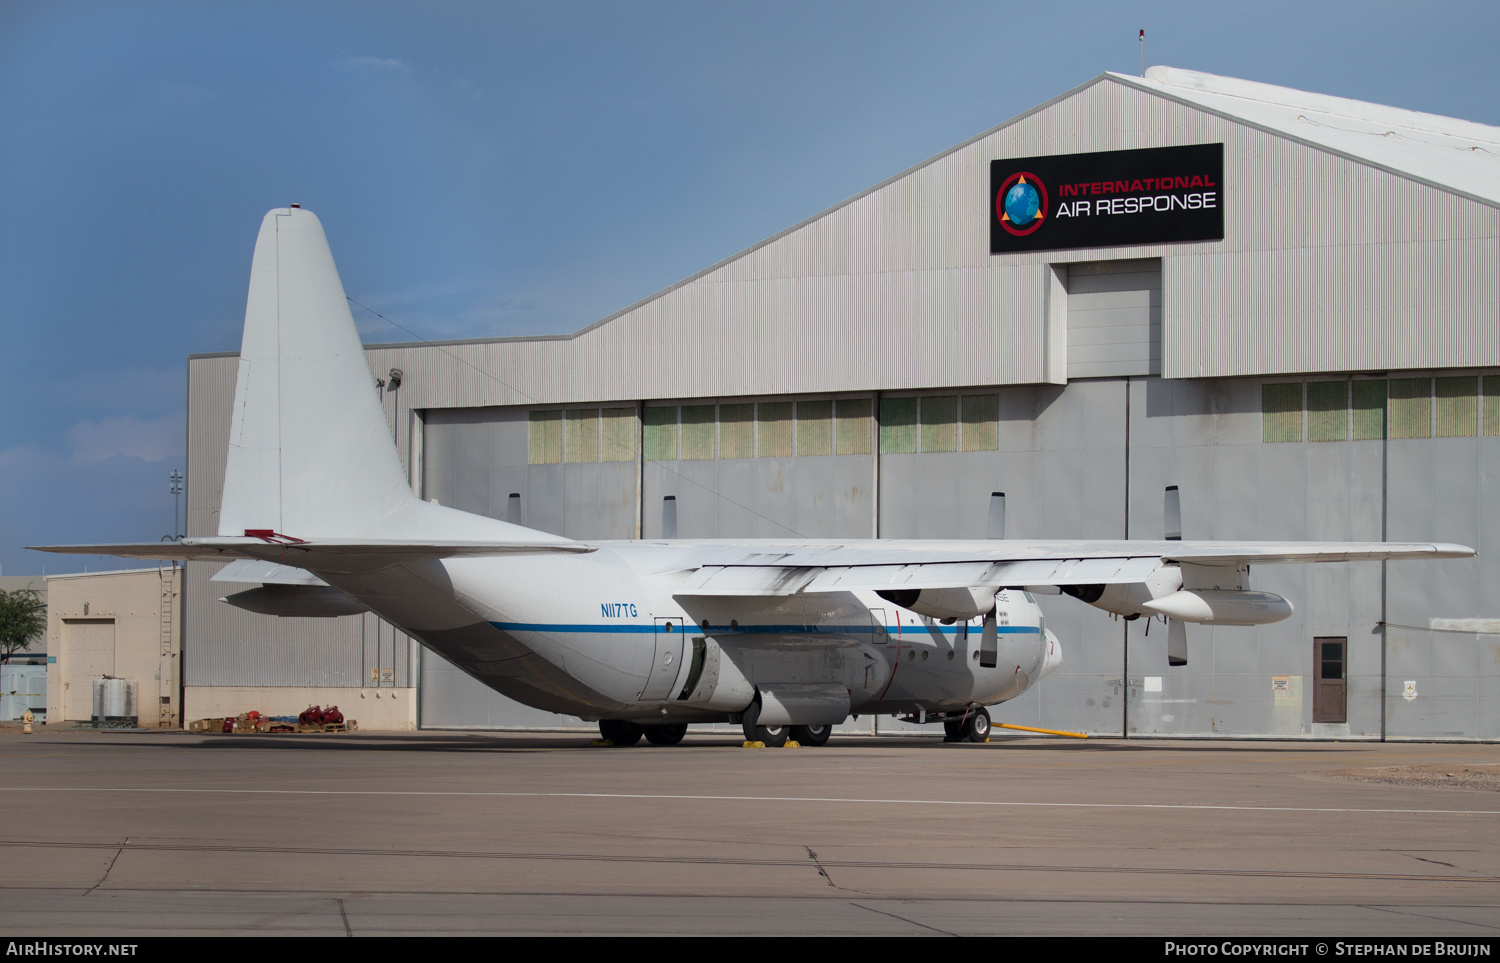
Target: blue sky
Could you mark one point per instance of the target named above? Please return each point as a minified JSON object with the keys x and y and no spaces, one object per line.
{"x":487,"y":169}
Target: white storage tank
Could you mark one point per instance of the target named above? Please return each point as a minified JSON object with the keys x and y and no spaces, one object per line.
{"x":23,"y":687}
{"x":115,"y":701}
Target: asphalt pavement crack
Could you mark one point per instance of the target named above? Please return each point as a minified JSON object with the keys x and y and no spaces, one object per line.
{"x":903,"y":919}
{"x":343,"y":915}
{"x":818,"y":863}
{"x":107,"y":869}
{"x":1424,"y":916}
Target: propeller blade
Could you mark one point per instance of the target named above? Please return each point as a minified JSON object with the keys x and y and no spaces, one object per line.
{"x":1176,"y":642}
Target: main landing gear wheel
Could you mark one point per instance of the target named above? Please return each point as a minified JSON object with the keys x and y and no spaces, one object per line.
{"x":953,"y":730}
{"x":666,"y":735}
{"x":811,"y":735}
{"x":976,"y":726}
{"x":773,"y":736}
{"x":621,"y":733}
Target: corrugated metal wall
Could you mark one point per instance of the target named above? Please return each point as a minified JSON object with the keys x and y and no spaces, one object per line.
{"x":1327,"y":265}
{"x":227,"y":646}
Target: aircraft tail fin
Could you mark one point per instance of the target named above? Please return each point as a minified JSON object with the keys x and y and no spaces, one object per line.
{"x":310,"y":452}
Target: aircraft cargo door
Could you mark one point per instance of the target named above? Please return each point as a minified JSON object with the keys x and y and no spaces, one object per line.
{"x":664,"y":668}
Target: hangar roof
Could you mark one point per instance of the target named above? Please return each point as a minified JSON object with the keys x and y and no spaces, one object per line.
{"x":1356,"y":221}
{"x":1445,"y":152}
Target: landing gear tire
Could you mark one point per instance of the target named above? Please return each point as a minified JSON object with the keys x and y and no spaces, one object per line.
{"x":976,"y":727}
{"x":666,"y":735}
{"x":811,"y":735}
{"x":773,"y":736}
{"x":953,"y":730}
{"x":621,"y":733}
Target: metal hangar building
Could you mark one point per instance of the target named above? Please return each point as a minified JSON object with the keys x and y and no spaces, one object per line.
{"x":1173,"y":302}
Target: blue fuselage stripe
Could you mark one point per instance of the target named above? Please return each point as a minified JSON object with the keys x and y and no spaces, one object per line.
{"x":638,"y":629}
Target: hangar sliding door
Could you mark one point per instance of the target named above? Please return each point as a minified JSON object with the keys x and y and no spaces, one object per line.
{"x":1114,"y":318}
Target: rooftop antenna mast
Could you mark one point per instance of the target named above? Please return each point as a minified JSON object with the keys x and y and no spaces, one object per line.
{"x":1143,"y":51}
{"x":176,"y":490}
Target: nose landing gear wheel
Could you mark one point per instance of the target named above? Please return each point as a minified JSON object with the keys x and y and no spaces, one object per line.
{"x":773,"y":736}
{"x":811,"y":735}
{"x":666,"y":735}
{"x":976,"y":726}
{"x":621,"y":733}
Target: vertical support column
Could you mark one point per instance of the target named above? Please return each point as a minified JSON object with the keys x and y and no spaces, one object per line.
{"x":1055,"y":332}
{"x":640,"y":468}
{"x":1125,"y":626}
{"x":875,"y":464}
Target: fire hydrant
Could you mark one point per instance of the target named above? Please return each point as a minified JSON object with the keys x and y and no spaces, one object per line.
{"x":26,"y":720}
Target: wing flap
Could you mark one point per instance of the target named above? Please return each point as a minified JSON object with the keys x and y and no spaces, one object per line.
{"x":750,"y":580}
{"x":309,"y":553}
{"x":876,"y":566}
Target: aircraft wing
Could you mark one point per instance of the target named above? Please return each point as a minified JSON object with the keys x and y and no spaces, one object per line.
{"x":875,"y":565}
{"x":304,"y":553}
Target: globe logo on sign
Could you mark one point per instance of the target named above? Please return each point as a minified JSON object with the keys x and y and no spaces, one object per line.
{"x":1021,"y":204}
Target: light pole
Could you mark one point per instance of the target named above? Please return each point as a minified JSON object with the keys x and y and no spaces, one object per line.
{"x":176,"y":496}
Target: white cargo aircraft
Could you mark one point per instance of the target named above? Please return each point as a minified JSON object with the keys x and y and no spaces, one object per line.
{"x":787,"y":638}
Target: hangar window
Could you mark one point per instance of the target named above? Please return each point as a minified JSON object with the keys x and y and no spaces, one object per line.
{"x":1281,"y":412}
{"x":774,"y":429}
{"x":854,"y":428}
{"x":617,"y":435}
{"x":1411,"y":408}
{"x":736,"y":431}
{"x":940,"y":423}
{"x":697,"y":432}
{"x":1327,"y":411}
{"x":1492,"y":405}
{"x":814,"y":428}
{"x":898,"y":425}
{"x":660,"y":431}
{"x":581,"y":435}
{"x":980,"y":422}
{"x":545,"y":437}
{"x":1369,"y":410}
{"x":1457,"y":407}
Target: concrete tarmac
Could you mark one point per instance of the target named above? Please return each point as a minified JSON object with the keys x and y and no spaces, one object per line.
{"x":367,"y":834}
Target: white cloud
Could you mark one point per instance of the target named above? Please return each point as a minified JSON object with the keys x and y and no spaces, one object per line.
{"x":155,"y":439}
{"x":375,"y":65}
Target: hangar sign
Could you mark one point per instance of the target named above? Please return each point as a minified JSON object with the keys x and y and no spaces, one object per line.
{"x":1107,"y":198}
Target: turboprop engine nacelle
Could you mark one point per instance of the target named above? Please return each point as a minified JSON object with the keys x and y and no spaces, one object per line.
{"x":945,"y":604}
{"x":1208,"y":594}
{"x":1212,"y":607}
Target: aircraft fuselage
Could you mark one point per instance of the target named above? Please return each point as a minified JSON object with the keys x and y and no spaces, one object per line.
{"x":604,"y":635}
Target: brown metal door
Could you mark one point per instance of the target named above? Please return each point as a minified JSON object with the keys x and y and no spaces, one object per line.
{"x":1330,"y":661}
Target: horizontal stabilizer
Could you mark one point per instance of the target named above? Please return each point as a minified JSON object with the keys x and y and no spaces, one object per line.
{"x":266,"y":573}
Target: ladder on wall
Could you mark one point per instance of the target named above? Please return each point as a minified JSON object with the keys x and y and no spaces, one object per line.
{"x":166,"y":688}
